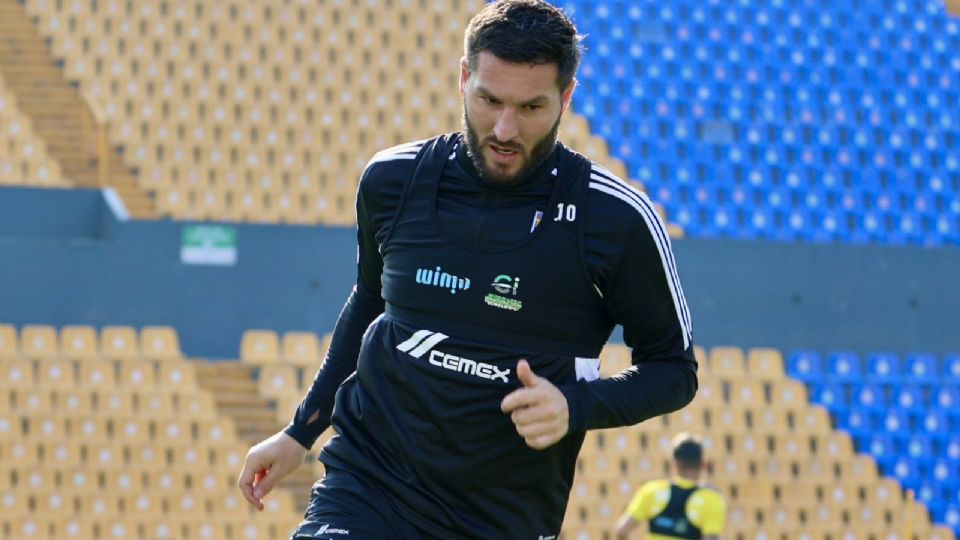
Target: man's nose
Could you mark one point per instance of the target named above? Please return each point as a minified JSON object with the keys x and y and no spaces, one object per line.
{"x":506,"y":127}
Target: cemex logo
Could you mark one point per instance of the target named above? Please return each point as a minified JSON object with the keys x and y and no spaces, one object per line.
{"x":423,"y":341}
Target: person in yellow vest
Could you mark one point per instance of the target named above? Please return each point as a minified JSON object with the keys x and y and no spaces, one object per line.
{"x":678,"y":507}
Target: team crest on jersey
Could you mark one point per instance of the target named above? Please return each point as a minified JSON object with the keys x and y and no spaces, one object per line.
{"x":506,"y":292}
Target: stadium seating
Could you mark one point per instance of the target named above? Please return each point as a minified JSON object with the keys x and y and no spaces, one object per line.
{"x":778,"y":120}
{"x":108,"y":434}
{"x":785,"y":471}
{"x":900,"y":410}
{"x":263,"y":112}
{"x":24,"y":159}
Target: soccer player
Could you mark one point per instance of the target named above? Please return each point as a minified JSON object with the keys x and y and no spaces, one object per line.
{"x":679,"y":507}
{"x":493,"y":266}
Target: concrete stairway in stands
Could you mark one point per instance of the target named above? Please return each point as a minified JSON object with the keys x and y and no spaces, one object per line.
{"x":234,"y":388}
{"x":59,"y":112}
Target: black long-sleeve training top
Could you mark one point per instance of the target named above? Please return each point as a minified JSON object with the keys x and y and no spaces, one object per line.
{"x":457,"y":280}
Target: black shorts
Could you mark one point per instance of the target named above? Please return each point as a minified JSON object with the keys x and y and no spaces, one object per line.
{"x":343,"y":508}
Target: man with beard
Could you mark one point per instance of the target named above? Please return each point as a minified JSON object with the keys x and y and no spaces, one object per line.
{"x":493,"y":266}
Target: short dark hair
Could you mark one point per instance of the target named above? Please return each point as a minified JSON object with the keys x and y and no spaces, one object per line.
{"x":688,"y":450}
{"x":525,"y":31}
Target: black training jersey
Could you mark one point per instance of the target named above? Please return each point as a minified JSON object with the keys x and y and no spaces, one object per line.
{"x":464,"y":279}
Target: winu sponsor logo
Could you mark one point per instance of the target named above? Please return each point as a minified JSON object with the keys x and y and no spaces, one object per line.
{"x":424,"y":341}
{"x":438,"y":278}
{"x":327,"y":529}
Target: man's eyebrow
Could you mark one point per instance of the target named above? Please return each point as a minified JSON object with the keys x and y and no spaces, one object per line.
{"x":535,"y":101}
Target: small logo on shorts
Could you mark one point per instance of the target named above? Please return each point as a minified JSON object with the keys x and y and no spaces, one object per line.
{"x":327,"y":529}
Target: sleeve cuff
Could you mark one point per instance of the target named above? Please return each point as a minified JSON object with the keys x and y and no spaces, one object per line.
{"x":576,"y":395}
{"x":301,"y":434}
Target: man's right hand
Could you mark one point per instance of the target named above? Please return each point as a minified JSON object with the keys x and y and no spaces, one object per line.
{"x":267,"y":463}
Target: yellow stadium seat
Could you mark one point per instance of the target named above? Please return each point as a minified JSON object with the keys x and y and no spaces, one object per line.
{"x":74,"y":402}
{"x":941,"y":533}
{"x":769,"y":421}
{"x":14,"y":502}
{"x":788,"y":394}
{"x":155,"y":404}
{"x":755,"y":492}
{"x":302,"y":349}
{"x":137,"y":373}
{"x":800,"y":493}
{"x":862,"y":469}
{"x":95,"y":428}
{"x":160,"y":343}
{"x":793,"y":446}
{"x":97,"y":374}
{"x":260,"y":347}
{"x":113,"y":400}
{"x":47,"y":427}
{"x":17,"y":373}
{"x":278,"y":380}
{"x":38,"y":341}
{"x":775,"y":468}
{"x":148,"y":457}
{"x":56,"y":373}
{"x":63,"y":454}
{"x":51,"y":502}
{"x":836,"y":446}
{"x":176,"y":375}
{"x":197,"y":404}
{"x":205,"y":529}
{"x":73,"y":528}
{"x":168,"y":483}
{"x":728,"y":419}
{"x":747,"y":393}
{"x":690,"y":418}
{"x":33,"y":400}
{"x":709,"y":392}
{"x":79,"y":342}
{"x":8,"y":342}
{"x":164,"y":528}
{"x":727,"y":362}
{"x":813,"y":420}
{"x":103,"y":455}
{"x":78,"y":480}
{"x":815,"y":468}
{"x":731,"y":467}
{"x":126,"y":481}
{"x":765,"y":364}
{"x":131,"y":431}
{"x":29,"y":528}
{"x":119,"y":342}
{"x":20,"y":454}
{"x":750,"y":445}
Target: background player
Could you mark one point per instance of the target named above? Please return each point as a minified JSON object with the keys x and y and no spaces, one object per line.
{"x":678,"y":507}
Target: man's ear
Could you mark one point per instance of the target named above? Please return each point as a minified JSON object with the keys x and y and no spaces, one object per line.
{"x":464,"y":75}
{"x":567,"y":94}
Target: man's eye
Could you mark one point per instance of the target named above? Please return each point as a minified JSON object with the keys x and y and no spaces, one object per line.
{"x":534,"y":107}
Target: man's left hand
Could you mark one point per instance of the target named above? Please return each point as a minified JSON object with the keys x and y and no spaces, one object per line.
{"x":538,"y":410}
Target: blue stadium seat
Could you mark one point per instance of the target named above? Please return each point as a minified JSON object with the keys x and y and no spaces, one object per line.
{"x":844,"y":366}
{"x":869,"y":396}
{"x":830,"y":395}
{"x":895,"y":421}
{"x":933,"y":421}
{"x":806,"y":365}
{"x":922,"y":368}
{"x":857,"y":421}
{"x":945,"y":397}
{"x":951,"y":368}
{"x":908,"y":398}
{"x":883,"y":367}
{"x":879,"y":445}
